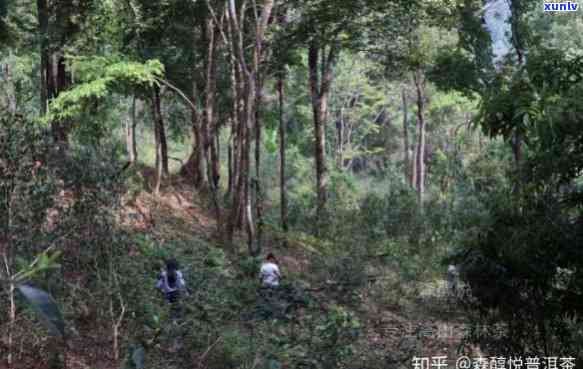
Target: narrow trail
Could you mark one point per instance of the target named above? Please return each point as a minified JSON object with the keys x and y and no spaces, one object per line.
{"x":424,"y":323}
{"x":429,"y":324}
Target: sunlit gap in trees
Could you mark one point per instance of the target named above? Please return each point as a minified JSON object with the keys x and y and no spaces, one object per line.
{"x":497,"y":22}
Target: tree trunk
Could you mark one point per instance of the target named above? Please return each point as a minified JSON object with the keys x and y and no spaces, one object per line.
{"x":234,"y":136}
{"x":131,"y":124}
{"x":413,"y":164}
{"x":238,"y":126}
{"x":43,"y":21}
{"x":516,"y":143}
{"x":520,"y":48}
{"x":209,"y":108}
{"x":209,"y":127}
{"x":282,"y":145}
{"x":247,"y":76}
{"x":216,"y":159}
{"x":385,"y":122}
{"x":162,"y":134}
{"x":319,"y":92}
{"x":157,"y":118}
{"x":11,"y":311}
{"x":195,"y":165}
{"x":230,"y":160}
{"x":420,"y":155}
{"x":406,"y":159}
{"x":340,"y":140}
{"x":9,"y":89}
{"x":249,"y":122}
{"x":258,"y":193}
{"x":239,"y":173}
{"x":54,"y":78}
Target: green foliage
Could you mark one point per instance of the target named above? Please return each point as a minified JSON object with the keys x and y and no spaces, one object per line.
{"x":519,"y":230}
{"x":216,"y":259}
{"x":513,"y":226}
{"x":100,"y":77}
{"x":249,"y":266}
{"x":454,"y":70}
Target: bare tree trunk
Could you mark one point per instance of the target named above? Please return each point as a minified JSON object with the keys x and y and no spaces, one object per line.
{"x":156,"y":116}
{"x":209,"y":108}
{"x":340,"y":140}
{"x":420,"y":155}
{"x":240,"y":174}
{"x":160,"y":126}
{"x":215,"y":159}
{"x":413,"y":164}
{"x":238,"y":125}
{"x":384,"y":120}
{"x":116,"y":322}
{"x":195,"y":165}
{"x":160,"y":132}
{"x":131,"y":123}
{"x":43,"y":20}
{"x":249,"y":117}
{"x":210,"y":128}
{"x":230,"y":160}
{"x":246,"y":77}
{"x":406,"y":159}
{"x":54,"y":78}
{"x":229,"y":168}
{"x":516,"y":143}
{"x":11,"y":313}
{"x":319,"y":91}
{"x":282,"y":145}
{"x":258,"y":193}
{"x":260,"y":29}
{"x":520,"y":48}
{"x":234,"y":136}
{"x":9,"y":89}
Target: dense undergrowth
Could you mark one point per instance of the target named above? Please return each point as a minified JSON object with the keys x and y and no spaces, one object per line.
{"x":113,"y":237}
{"x":366,"y":293}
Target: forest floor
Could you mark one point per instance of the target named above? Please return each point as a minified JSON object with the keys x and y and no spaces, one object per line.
{"x":423,"y":322}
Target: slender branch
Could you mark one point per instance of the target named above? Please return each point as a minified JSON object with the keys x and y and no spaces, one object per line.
{"x":179,"y":92}
{"x":220,"y":28}
{"x":208,"y":350}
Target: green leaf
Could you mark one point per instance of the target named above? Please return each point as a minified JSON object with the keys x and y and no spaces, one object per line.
{"x":46,"y":307}
{"x":271,"y":141}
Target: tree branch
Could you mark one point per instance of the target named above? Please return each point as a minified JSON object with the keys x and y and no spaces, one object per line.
{"x":179,"y":92}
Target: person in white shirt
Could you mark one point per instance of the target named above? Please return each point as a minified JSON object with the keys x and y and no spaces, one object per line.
{"x":269,"y":274}
{"x":171,"y":281}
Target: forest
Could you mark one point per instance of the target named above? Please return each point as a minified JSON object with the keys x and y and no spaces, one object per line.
{"x":266,"y":184}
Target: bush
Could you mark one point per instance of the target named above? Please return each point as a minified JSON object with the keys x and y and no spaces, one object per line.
{"x":512,"y":269}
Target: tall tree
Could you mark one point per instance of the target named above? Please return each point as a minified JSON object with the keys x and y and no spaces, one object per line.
{"x":282,"y":158}
{"x":406,"y":159}
{"x":419,"y":183}
{"x":320,"y":63}
{"x":246,"y":75}
{"x":56,"y":27}
{"x":328,"y":27}
{"x":130,"y":130}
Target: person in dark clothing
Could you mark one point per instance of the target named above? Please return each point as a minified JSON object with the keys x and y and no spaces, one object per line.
{"x":171,"y":282}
